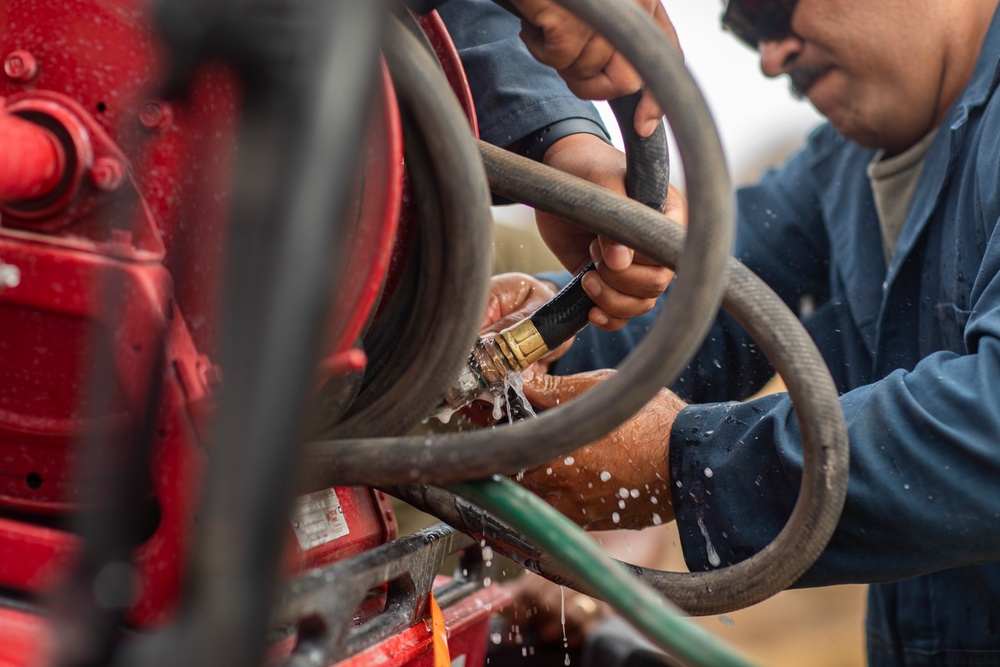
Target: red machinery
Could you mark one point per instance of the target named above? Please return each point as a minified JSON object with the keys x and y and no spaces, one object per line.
{"x":113,"y":211}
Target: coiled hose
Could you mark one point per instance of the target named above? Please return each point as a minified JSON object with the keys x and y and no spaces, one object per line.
{"x":455,"y":252}
{"x":793,"y":354}
{"x":657,"y":361}
{"x":451,"y":458}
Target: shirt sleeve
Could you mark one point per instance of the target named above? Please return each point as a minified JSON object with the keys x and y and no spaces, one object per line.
{"x":514,"y":94}
{"x":921,"y":494}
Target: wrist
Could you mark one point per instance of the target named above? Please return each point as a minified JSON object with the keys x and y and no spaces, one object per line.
{"x":536,"y":145}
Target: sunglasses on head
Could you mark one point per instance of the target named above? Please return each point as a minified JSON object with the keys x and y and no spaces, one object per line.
{"x":755,"y":21}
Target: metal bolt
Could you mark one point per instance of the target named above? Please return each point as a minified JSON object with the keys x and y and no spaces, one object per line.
{"x":20,"y":66}
{"x":107,"y":174}
{"x":156,"y":116}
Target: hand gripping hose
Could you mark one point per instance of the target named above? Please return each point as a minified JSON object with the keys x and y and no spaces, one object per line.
{"x":647,"y":178}
{"x":647,"y":175}
{"x":793,"y":354}
{"x":394,"y":461}
{"x":657,"y":361}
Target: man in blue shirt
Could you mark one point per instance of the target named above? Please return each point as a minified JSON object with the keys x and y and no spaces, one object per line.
{"x":882,"y":235}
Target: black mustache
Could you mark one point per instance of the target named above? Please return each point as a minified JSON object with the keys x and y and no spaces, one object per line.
{"x":801,"y":78}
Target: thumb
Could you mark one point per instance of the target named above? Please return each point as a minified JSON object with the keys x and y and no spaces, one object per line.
{"x":548,"y":391}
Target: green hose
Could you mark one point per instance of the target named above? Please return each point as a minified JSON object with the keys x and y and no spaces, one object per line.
{"x":646,"y":609}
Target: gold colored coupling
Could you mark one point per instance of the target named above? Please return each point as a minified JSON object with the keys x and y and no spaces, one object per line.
{"x":521,"y":344}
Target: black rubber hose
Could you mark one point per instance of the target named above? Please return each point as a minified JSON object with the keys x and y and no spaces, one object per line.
{"x":564,"y":315}
{"x":647,"y":178}
{"x":647,"y":167}
{"x":457,"y":256}
{"x":816,"y":512}
{"x":661,"y":356}
{"x":301,"y":136}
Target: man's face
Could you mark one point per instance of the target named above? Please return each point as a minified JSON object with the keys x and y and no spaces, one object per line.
{"x":875,"y":68}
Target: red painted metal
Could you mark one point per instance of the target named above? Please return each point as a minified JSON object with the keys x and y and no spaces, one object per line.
{"x":467,"y":624}
{"x":379,"y":200}
{"x":447,"y":55}
{"x":25,"y":640}
{"x":32,"y":162}
{"x":114,"y":206}
{"x":122,"y":254}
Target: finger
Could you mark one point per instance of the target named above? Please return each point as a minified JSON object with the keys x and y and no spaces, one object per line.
{"x":643,"y":280}
{"x":643,"y":285}
{"x":620,"y":71}
{"x":604,"y":321}
{"x":648,"y":114}
{"x":592,"y":59}
{"x":617,"y":256}
{"x":555,"y":37}
{"x":548,"y":391}
{"x":600,"y":86}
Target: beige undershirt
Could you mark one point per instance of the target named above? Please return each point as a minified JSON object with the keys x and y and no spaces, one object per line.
{"x":894,"y":181}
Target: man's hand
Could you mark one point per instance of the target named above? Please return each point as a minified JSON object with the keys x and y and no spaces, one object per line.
{"x":514,"y":296}
{"x":618,"y":481}
{"x":592,"y":68}
{"x":625,"y":284}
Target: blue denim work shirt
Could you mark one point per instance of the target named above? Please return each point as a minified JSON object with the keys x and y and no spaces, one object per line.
{"x":915,"y":350}
{"x":913,"y":347}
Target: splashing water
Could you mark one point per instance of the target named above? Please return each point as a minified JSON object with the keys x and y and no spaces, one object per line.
{"x":514,"y":382}
{"x":713,"y":556}
{"x":562,"y":619}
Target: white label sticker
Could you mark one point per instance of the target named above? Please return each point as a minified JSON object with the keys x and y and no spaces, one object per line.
{"x":318,"y":518}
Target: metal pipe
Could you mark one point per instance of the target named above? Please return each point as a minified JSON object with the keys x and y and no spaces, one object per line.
{"x":32,"y":162}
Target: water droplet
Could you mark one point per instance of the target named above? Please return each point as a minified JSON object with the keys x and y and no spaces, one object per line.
{"x":569,"y":460}
{"x":623,"y":492}
{"x":496,"y":638}
{"x":634,"y":493}
{"x":605,"y":476}
{"x":621,"y":504}
{"x":708,"y":472}
{"x":615,"y":518}
{"x":726,"y":621}
{"x":713,"y":557}
{"x":656,"y":519}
